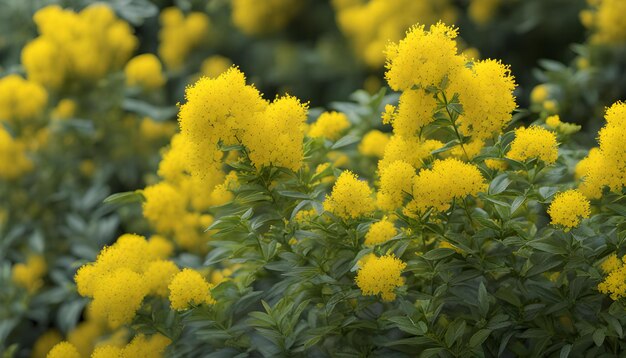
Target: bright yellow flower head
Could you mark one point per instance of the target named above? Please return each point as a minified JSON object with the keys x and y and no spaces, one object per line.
{"x":13,"y":159}
{"x":568,"y":208}
{"x":380,"y":276}
{"x":611,"y":263}
{"x":329,"y":125}
{"x":144,"y":71}
{"x":423,"y":58}
{"x":534,"y":142}
{"x":373,"y":143}
{"x":188,"y":288}
{"x":164,"y":206}
{"x":158,"y":276}
{"x":351,"y":198}
{"x":447,"y":180}
{"x":21,"y":99}
{"x":410,"y":150}
{"x":63,"y":350}
{"x":142,"y":346}
{"x":396,"y":181}
{"x":179,"y":35}
{"x":380,"y":232}
{"x":29,"y":275}
{"x":415,"y":110}
{"x":118,"y":296}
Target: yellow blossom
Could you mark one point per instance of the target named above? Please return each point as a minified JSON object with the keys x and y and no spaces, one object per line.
{"x":144,"y":71}
{"x":63,"y":350}
{"x":350,"y":198}
{"x":380,"y":276}
{"x":188,"y":288}
{"x":568,"y":208}
{"x":329,"y":125}
{"x":373,"y":143}
{"x":380,"y":232}
{"x":534,"y":142}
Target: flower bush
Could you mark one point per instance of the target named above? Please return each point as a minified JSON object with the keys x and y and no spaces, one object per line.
{"x":437,"y":217}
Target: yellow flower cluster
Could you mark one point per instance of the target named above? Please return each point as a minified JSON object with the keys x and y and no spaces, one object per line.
{"x":606,"y":167}
{"x":329,"y":125}
{"x":140,"y":346}
{"x":122,"y":275}
{"x":63,"y":350}
{"x":179,"y":35}
{"x":21,"y":99}
{"x":614,"y":284}
{"x":423,"y":58}
{"x":486,"y":94}
{"x":411,"y":150}
{"x":380,"y":276}
{"x":374,"y":143}
{"x":84,"y":46}
{"x":226,"y":110}
{"x":396,"y":181}
{"x":370,"y":25}
{"x":448,"y":179}
{"x":155,"y":130}
{"x":189,"y":288}
{"x":13,"y":159}
{"x":380,"y":232}
{"x":215,"y":66}
{"x":45,"y":343}
{"x":568,"y":208}
{"x":254,"y":17}
{"x":29,"y":275}
{"x":144,"y":71}
{"x":482,"y":11}
{"x":534,"y":142}
{"x":606,"y":19}
{"x":351,"y":198}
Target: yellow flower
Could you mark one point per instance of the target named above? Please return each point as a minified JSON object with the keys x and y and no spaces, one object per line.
{"x":118,"y":296}
{"x":447,"y":180}
{"x":410,"y":150}
{"x":396,"y":181}
{"x":188,"y":288}
{"x":45,"y":342}
{"x":380,"y":232}
{"x":611,"y":263}
{"x":107,"y":351}
{"x":21,"y":99}
{"x":66,"y":108}
{"x":373,"y":143}
{"x":158,"y":276}
{"x":63,"y":350}
{"x":215,"y":66}
{"x":144,"y":71}
{"x":163,"y":207}
{"x":486,"y":94}
{"x":534,"y":142}
{"x":159,"y":247}
{"x":415,"y":110}
{"x":179,"y":35}
{"x":146,"y":347}
{"x":329,"y":125}
{"x":29,"y":275}
{"x":482,"y":11}
{"x":380,"y":276}
{"x":84,"y":336}
{"x":257,"y":18}
{"x":553,"y":121}
{"x":539,"y":94}
{"x":568,"y":208}
{"x":423,"y":58}
{"x":614,"y":284}
{"x":608,"y":22}
{"x":350,"y":198}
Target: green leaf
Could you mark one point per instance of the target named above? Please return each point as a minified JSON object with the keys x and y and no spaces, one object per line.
{"x":598,"y":336}
{"x":124,"y":198}
{"x":499,"y":184}
{"x":565,"y":351}
{"x":455,"y":331}
{"x":345,"y":141}
{"x":438,"y":254}
{"x":479,"y":337}
{"x":451,"y":144}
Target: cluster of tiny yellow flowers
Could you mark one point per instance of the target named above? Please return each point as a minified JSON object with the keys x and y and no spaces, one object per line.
{"x":483,"y":11}
{"x":140,"y":346}
{"x":65,"y":109}
{"x":29,"y":275}
{"x":396,"y":181}
{"x":144,"y":71}
{"x":371,"y":25}
{"x":380,"y":232}
{"x":122,"y":275}
{"x":374,"y":143}
{"x":534,"y":142}
{"x":13,"y":159}
{"x":606,"y":167}
{"x":189,"y":288}
{"x":486,"y":93}
{"x":258,"y":18}
{"x":447,"y":180}
{"x":411,"y":150}
{"x":380,"y":276}
{"x":350,"y":198}
{"x":215,"y":66}
{"x":180,"y":34}
{"x":83,"y":46}
{"x":606,"y":19}
{"x":156,"y":130}
{"x":45,"y":342}
{"x":329,"y":125}
{"x":568,"y":208}
{"x":21,"y":99}
{"x":614,"y":284}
